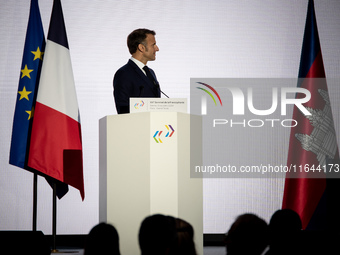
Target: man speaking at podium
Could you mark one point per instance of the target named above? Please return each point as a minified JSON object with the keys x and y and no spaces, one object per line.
{"x":135,"y":79}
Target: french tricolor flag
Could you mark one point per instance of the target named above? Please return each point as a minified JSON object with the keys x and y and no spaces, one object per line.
{"x":56,"y":143}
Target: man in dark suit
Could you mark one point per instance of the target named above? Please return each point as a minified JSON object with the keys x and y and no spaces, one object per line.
{"x":135,"y":79}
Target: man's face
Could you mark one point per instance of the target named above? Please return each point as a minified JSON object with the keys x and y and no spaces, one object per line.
{"x":150,"y":46}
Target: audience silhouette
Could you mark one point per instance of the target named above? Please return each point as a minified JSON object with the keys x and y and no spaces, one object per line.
{"x":184,"y":244}
{"x":285,"y":232}
{"x":157,"y":235}
{"x":247,"y":235}
{"x":102,"y":239}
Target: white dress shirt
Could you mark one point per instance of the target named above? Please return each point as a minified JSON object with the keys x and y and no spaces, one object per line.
{"x":139,"y":64}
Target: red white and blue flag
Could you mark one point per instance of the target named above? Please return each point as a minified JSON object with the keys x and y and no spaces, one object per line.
{"x":313,"y":141}
{"x":56,"y":143}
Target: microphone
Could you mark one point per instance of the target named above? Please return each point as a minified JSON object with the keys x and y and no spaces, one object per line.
{"x":165,"y":94}
{"x":157,"y":85}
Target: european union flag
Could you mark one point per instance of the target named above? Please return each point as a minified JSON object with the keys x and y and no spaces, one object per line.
{"x":28,"y":86}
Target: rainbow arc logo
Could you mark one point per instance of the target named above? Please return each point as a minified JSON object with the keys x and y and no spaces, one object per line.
{"x":209,"y":93}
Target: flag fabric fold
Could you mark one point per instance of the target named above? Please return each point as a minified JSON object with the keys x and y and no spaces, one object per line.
{"x":56,"y":143}
{"x":313,"y":141}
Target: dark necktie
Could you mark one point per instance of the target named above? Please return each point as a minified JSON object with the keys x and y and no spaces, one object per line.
{"x":149,"y":75}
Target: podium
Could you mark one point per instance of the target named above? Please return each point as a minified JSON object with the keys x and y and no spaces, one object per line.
{"x":144,"y":169}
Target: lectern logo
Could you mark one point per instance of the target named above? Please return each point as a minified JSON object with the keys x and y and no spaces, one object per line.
{"x":158,"y":135}
{"x":139,"y":105}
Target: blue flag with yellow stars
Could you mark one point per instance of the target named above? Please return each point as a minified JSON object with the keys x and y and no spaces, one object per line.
{"x":28,"y":86}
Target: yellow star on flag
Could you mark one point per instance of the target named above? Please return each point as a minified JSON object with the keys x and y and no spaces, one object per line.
{"x":24,"y":94}
{"x":37,"y":54}
{"x":30,"y":113}
{"x":26,"y":72}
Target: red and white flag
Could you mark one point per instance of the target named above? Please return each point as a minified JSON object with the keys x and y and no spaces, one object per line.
{"x":56,"y":143}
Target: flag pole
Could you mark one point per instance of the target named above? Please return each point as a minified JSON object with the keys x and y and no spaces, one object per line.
{"x":35,"y":199}
{"x":22,"y":123}
{"x":54,"y":220}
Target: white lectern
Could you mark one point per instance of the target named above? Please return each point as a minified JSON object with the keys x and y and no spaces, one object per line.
{"x":144,"y":169}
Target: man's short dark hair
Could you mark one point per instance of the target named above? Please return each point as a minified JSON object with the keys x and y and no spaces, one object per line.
{"x":136,"y":37}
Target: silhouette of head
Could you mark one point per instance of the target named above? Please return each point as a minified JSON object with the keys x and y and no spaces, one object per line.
{"x":185,"y":239}
{"x":157,"y":234}
{"x":285,"y":220}
{"x":247,"y":235}
{"x":285,"y":232}
{"x":102,"y":239}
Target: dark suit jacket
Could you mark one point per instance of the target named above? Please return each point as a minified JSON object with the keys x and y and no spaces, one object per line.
{"x":130,"y":81}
